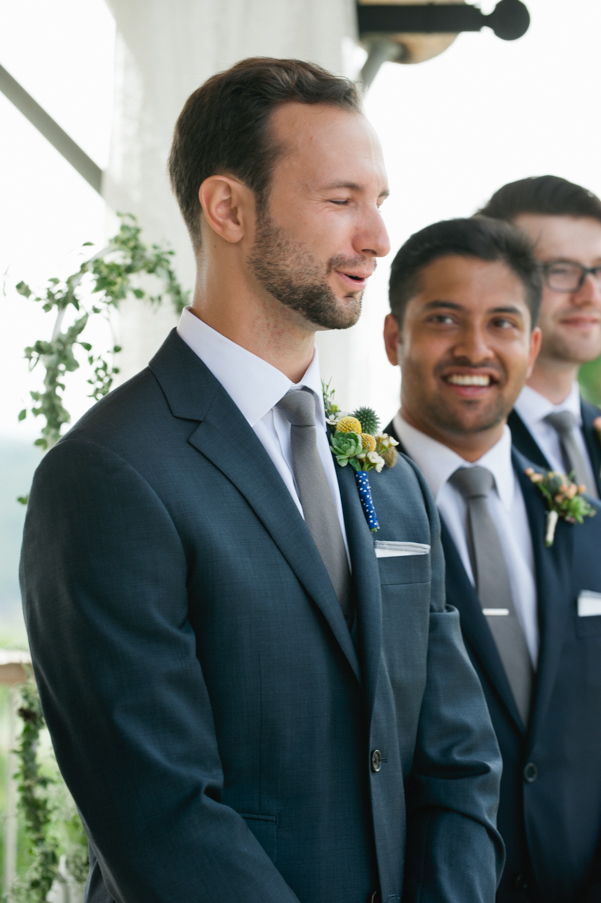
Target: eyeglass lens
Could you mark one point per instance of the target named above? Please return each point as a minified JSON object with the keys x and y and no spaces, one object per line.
{"x":568,"y":277}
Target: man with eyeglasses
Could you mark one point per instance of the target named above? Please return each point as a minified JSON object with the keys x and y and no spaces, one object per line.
{"x":551,"y":423}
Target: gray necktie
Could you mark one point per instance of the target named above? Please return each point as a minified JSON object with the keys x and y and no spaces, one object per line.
{"x":492,"y":583}
{"x":564,"y":422}
{"x":315,"y":493}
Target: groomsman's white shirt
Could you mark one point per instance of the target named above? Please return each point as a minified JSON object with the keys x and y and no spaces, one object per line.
{"x":534,"y":407}
{"x":255,"y":387}
{"x":506,"y":504}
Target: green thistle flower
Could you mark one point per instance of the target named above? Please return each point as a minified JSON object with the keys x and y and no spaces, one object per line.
{"x":368,"y":419}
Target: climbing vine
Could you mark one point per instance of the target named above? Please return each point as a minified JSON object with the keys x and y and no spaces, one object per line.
{"x":101,"y":283}
{"x":98,"y":287}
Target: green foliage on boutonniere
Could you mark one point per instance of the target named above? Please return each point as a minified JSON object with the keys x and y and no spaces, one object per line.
{"x":356,"y":439}
{"x":563,"y":498}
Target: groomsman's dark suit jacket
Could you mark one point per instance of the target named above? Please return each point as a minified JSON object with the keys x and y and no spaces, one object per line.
{"x":211,"y":714}
{"x":525,"y":442}
{"x":550,"y":809}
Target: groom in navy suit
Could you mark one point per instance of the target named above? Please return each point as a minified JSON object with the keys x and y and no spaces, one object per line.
{"x":464,"y":296}
{"x":250,"y":698}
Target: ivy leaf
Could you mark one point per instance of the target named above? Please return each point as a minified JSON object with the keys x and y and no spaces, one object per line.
{"x":23,"y":499}
{"x":22,"y":415}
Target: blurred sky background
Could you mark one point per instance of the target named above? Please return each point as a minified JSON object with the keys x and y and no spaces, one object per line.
{"x":453,"y":129}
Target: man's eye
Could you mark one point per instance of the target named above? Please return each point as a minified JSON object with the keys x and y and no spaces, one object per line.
{"x":445,"y":319}
{"x":503,"y":323}
{"x":341,"y":202}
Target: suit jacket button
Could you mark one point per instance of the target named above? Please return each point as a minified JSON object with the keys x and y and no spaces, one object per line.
{"x":376,"y":760}
{"x":530,"y":772}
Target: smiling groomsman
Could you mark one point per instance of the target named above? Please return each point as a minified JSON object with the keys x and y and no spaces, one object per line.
{"x":551,"y":423}
{"x":465,"y":296}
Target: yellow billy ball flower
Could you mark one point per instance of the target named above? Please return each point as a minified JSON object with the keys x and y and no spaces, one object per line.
{"x":348,"y":425}
{"x":368,"y":442}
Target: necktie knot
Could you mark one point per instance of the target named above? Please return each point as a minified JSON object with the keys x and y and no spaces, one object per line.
{"x":473,"y":482}
{"x":562,"y":421}
{"x":298,"y":406}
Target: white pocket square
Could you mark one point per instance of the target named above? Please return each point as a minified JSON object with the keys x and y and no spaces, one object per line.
{"x":391,"y":549}
{"x":589,"y":604}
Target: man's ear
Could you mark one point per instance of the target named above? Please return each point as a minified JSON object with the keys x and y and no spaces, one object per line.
{"x":228,"y":207}
{"x":392,"y":335}
{"x":535,"y":340}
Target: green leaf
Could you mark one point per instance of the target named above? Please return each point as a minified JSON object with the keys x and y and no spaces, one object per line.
{"x":22,"y":415}
{"x":23,"y":499}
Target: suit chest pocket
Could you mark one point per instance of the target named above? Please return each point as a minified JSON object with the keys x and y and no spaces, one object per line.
{"x":588,"y":614}
{"x":404,"y":569}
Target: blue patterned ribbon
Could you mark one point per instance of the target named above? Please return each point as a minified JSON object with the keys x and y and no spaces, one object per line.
{"x":366,"y":500}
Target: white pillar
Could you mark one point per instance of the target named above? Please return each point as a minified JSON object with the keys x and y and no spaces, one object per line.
{"x":164,"y":52}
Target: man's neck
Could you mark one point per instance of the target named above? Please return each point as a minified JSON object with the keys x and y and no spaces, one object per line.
{"x":258,"y":323}
{"x":554,"y":382}
{"x":470,"y":446}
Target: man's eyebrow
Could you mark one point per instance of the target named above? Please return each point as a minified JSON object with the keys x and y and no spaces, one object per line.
{"x":353,"y":186}
{"x":452,"y":305}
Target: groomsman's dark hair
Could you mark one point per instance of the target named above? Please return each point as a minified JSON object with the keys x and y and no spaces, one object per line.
{"x":224,"y":126}
{"x":479,"y":237}
{"x":543,"y":195}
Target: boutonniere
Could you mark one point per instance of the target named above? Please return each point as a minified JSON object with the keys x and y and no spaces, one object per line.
{"x":563,"y":499}
{"x":356,"y":440}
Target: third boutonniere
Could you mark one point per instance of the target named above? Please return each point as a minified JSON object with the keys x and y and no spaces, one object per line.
{"x":357,"y":440}
{"x":563,"y":498}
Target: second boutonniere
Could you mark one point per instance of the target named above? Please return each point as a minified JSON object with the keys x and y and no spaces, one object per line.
{"x":563,"y":498}
{"x":357,"y":440}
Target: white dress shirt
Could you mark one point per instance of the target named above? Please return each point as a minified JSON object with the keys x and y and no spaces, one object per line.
{"x":255,"y":387}
{"x":534,"y":407}
{"x":507,"y":508}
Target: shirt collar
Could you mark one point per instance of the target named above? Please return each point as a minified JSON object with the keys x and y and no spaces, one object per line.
{"x":438,"y":462}
{"x":254,"y":386}
{"x":534,"y":407}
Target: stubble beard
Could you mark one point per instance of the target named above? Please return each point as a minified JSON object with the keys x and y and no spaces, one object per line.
{"x":289,"y":272}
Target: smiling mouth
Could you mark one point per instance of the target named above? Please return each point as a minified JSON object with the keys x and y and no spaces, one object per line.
{"x":462,"y":379}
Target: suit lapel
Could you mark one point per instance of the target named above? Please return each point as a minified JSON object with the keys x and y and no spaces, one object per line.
{"x":525,"y":442}
{"x":591,"y":438}
{"x":366,"y":579}
{"x":194,"y":394}
{"x":553,"y":568}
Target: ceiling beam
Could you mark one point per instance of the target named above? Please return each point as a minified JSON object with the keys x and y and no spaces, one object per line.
{"x":51,"y":130}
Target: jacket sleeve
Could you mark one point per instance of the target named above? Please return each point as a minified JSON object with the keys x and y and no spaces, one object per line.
{"x":454,"y":852}
{"x":103,"y":575}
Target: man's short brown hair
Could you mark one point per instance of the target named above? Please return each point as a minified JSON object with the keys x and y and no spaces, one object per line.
{"x":224,"y":126}
{"x":542,"y":195}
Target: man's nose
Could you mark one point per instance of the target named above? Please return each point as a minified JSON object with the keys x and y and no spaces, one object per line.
{"x":589,"y":292}
{"x":472,"y":344}
{"x":373,"y":239}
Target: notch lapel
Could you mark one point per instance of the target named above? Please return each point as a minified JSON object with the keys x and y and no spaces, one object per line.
{"x":366,"y":579}
{"x":194,"y":394}
{"x":525,"y":442}
{"x":553,"y":567}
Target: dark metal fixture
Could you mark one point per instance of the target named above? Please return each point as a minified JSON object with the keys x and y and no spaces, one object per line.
{"x":509,"y":20}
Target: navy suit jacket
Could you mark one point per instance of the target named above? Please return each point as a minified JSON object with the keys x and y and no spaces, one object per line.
{"x":209,"y":710}
{"x":549,"y":814}
{"x":525,"y":442}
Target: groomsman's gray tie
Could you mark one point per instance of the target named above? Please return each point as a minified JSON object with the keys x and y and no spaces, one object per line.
{"x":315,"y":493}
{"x":492,"y":583}
{"x":564,"y":422}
